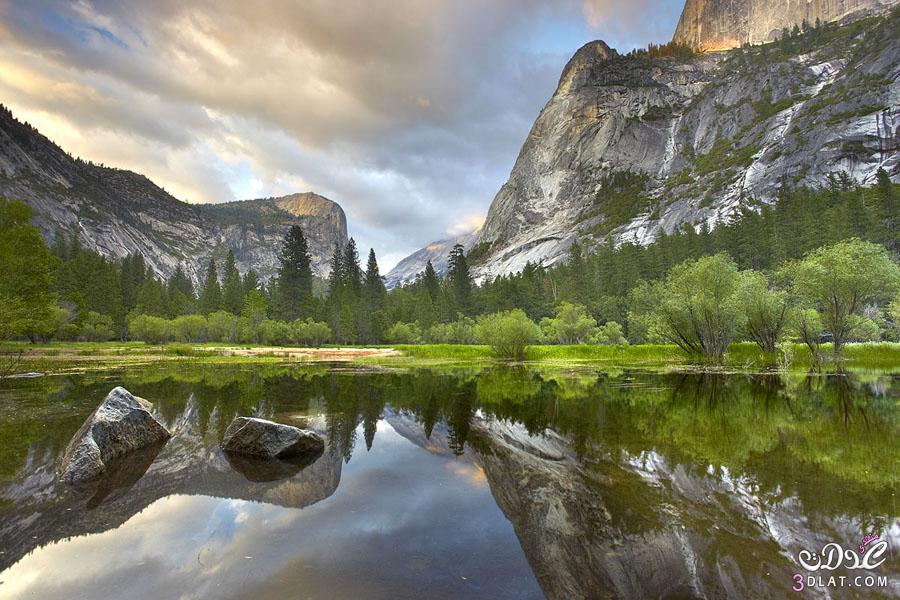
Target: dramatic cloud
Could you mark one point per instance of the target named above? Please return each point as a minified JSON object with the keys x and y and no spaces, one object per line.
{"x":409,"y":113}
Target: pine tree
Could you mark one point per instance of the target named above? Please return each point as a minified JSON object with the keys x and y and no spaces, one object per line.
{"x":352,"y":270}
{"x":232,"y":287}
{"x":336,"y":289}
{"x":371,"y":317}
{"x":293,"y":283}
{"x":134,"y":272}
{"x":181,"y":293}
{"x":460,"y":280}
{"x":432,"y":282}
{"x":251,"y":281}
{"x":211,"y":294}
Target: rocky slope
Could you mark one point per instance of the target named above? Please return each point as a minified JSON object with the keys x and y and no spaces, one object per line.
{"x":724,"y":24}
{"x":629,"y":146}
{"x":117,"y":212}
{"x":407,"y":269}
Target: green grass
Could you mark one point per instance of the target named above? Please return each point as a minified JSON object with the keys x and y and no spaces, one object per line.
{"x":57,"y":357}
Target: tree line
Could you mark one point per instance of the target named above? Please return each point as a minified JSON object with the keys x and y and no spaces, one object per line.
{"x":764,"y":263}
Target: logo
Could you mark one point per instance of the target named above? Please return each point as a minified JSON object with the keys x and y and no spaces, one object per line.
{"x":834,"y":556}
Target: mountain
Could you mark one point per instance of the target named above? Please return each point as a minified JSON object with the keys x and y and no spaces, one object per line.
{"x":724,"y":24}
{"x":116,"y":212}
{"x":406,"y":270}
{"x":632,"y":146}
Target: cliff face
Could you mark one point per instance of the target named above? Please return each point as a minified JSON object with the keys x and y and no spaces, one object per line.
{"x":722,"y":24}
{"x":628,"y":146}
{"x":117,"y":212}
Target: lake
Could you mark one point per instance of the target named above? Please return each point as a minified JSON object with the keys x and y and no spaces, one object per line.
{"x":496,"y":482}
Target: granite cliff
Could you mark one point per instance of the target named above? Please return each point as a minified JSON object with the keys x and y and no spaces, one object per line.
{"x":631,"y":146}
{"x":116,"y":212}
{"x":723,"y":24}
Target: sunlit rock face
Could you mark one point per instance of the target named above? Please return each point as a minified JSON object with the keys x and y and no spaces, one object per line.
{"x":712,"y":25}
{"x":117,"y":212}
{"x":709,"y":133}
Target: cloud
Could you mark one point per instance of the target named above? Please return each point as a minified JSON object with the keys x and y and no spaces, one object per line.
{"x":408,"y":113}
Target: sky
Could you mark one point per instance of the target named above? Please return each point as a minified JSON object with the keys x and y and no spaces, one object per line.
{"x":408,"y":113}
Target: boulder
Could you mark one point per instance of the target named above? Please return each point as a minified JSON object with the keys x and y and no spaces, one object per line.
{"x":258,"y":437}
{"x":121,"y":424}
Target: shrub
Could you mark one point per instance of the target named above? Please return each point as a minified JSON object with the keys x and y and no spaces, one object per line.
{"x":311,"y":333}
{"x":190,"y":328}
{"x":153,"y":330}
{"x":508,"y":333}
{"x":609,"y":334}
{"x":571,"y":325}
{"x":458,"y":332}
{"x":97,"y":327}
{"x":404,"y":333}
{"x":223,"y":326}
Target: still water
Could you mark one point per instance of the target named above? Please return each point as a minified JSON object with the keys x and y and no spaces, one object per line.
{"x":491,"y":483}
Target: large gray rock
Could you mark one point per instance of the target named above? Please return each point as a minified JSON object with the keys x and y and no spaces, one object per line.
{"x":121,"y":424}
{"x":710,"y":133}
{"x":258,"y":437}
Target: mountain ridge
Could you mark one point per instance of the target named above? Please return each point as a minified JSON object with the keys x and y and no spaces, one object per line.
{"x":116,"y":212}
{"x":631,"y":146}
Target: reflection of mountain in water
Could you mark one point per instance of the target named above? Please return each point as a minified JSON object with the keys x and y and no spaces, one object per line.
{"x":627,"y":485}
{"x":49,"y":511}
{"x":619,"y":525}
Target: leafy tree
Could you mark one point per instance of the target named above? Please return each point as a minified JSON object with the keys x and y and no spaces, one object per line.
{"x":766,"y":310}
{"x":404,"y":333}
{"x":571,"y":325}
{"x":808,"y":327}
{"x":311,"y":333}
{"x":181,"y":293}
{"x":840,"y":280}
{"x":150,"y":329}
{"x":232,"y":287}
{"x":508,"y":333}
{"x":97,"y":327}
{"x":293,"y":283}
{"x":189,"y":328}
{"x":255,"y":307}
{"x":210,"y":299}
{"x":610,"y":333}
{"x":699,"y":306}
{"x":26,"y":272}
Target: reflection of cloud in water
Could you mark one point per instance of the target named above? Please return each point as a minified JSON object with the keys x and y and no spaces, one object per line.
{"x":396,"y":511}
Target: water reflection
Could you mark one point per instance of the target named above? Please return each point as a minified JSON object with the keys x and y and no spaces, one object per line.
{"x":614,"y":484}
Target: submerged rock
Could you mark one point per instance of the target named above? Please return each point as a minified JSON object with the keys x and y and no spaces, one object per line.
{"x":121,"y":424}
{"x":258,"y":437}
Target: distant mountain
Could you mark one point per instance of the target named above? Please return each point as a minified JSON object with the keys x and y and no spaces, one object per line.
{"x":116,"y":212}
{"x":630,"y":147}
{"x":406,"y":270}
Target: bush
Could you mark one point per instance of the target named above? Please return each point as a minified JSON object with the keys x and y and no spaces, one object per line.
{"x":190,"y":328}
{"x":311,"y":333}
{"x":508,"y":333}
{"x":223,"y":326}
{"x":97,"y":327}
{"x":571,"y":325}
{"x":153,"y":330}
{"x":458,"y":332}
{"x":609,"y":334}
{"x":404,"y":333}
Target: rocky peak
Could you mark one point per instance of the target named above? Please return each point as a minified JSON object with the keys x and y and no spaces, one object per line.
{"x":116,"y":212}
{"x":711,"y":25}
